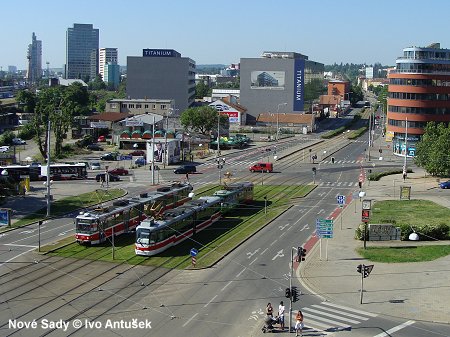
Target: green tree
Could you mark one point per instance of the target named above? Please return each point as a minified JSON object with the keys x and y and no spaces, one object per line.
{"x":357,"y":94}
{"x":202,"y":90}
{"x":27,"y":99}
{"x":314,"y":89}
{"x":432,"y":150}
{"x":202,"y":120}
{"x":97,"y":83}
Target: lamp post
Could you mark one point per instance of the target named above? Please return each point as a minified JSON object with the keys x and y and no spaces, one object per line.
{"x":220,"y":164}
{"x":278,"y":123}
{"x":48,"y":170}
{"x":169,"y":112}
{"x":218,"y":134}
{"x":406,"y":148}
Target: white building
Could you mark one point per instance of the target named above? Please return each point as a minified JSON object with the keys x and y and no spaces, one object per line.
{"x":105,"y":56}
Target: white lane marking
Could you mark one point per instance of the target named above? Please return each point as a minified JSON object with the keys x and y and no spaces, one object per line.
{"x":279,"y":254}
{"x":14,"y":245}
{"x":304,"y":227}
{"x":331,"y":315}
{"x":15,"y":257}
{"x":241,"y":272}
{"x":329,"y":321}
{"x":43,"y":232}
{"x":265,"y":250}
{"x":282,"y":234}
{"x":190,"y":319}
{"x":340,"y":312}
{"x":281,"y":227}
{"x":274,"y":242}
{"x":395,"y":329}
{"x":252,"y":261}
{"x":226,"y":285}
{"x":212,"y":299}
{"x":350,"y":309}
{"x":250,"y":254}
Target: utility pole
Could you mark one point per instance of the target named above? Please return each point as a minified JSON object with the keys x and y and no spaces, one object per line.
{"x":153,"y":152}
{"x":48,"y":169}
{"x":290,"y":287}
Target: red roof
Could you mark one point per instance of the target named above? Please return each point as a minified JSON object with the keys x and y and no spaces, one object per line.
{"x":109,"y":116}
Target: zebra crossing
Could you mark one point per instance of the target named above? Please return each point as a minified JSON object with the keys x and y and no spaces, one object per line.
{"x":326,"y":318}
{"x":347,"y":184}
{"x":230,"y":162}
{"x":328,"y":161}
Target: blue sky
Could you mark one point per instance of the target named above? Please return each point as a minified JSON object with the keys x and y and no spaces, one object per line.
{"x":209,"y":32}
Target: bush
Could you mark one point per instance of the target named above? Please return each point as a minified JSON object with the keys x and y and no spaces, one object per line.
{"x":378,"y":175}
{"x":26,"y":132}
{"x":7,"y":137}
{"x":427,"y":232}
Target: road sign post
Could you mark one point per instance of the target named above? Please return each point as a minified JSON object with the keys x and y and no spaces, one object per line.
{"x":193,"y":253}
{"x":324,"y":230}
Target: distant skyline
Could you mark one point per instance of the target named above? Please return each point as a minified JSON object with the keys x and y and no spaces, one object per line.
{"x":350,"y":31}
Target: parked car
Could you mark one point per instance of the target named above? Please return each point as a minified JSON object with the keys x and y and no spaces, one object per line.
{"x":112,"y":177}
{"x":140,"y":161}
{"x":95,"y":166}
{"x":94,"y":147}
{"x":101,"y":139}
{"x":4,"y":148}
{"x":445,"y":184}
{"x":185,"y":169}
{"x":119,"y":171}
{"x":261,"y":167}
{"x":18,"y":141}
{"x":109,"y":156}
{"x":137,"y":153}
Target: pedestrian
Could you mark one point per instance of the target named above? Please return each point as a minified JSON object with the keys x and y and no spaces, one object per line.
{"x":299,"y":323}
{"x":269,"y":309}
{"x":281,"y":310}
{"x":187,"y":177}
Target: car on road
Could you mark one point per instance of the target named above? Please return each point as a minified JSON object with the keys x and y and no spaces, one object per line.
{"x":109,"y":156}
{"x":445,"y":184}
{"x":18,"y":141}
{"x":119,"y":171}
{"x":94,"y":147}
{"x":137,"y":153}
{"x":261,"y":167}
{"x":4,"y":148}
{"x":101,"y":139}
{"x":112,"y":177}
{"x":185,"y":169}
{"x":95,"y":166}
{"x":140,"y":161}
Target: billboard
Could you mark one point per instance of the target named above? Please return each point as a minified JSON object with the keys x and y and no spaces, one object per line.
{"x":158,"y":152}
{"x":5,"y":217}
{"x":267,"y":79}
{"x":160,"y":53}
{"x":299,"y":84}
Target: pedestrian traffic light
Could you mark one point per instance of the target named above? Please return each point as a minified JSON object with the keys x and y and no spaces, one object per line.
{"x":332,"y":160}
{"x":294,"y":293}
{"x":360,"y":184}
{"x":367,"y":270}
{"x":359,"y":268}
{"x":287,"y":293}
{"x":380,"y":150}
{"x":314,"y":170}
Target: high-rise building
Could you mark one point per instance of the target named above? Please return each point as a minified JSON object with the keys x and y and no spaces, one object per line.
{"x":112,"y":75}
{"x":419,"y":92}
{"x":162,"y":74}
{"x":82,"y":42}
{"x":275,"y":83}
{"x":105,"y":56}
{"x":34,"y":57}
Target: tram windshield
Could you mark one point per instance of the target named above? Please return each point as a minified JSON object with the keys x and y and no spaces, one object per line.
{"x":143,"y":236}
{"x":86,"y":226}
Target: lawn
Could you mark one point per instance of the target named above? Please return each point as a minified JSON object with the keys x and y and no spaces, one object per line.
{"x":404,"y":254}
{"x":212,"y":243}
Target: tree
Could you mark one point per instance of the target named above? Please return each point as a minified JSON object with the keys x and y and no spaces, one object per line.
{"x":314,"y":89}
{"x":202,"y":90}
{"x":357,"y":94}
{"x":432,"y":150}
{"x":97,"y":83}
{"x":202,"y":120}
{"x":27,"y":99}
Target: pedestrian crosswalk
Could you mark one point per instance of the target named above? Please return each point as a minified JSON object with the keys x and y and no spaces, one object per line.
{"x":347,"y":184}
{"x":229,"y":163}
{"x":327,"y":317}
{"x":336,"y":161}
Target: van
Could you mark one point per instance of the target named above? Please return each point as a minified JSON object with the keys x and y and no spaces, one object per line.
{"x":185,"y":169}
{"x":261,"y":167}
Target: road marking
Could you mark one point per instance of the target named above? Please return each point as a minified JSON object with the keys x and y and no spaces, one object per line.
{"x":329,"y":321}
{"x":274,"y":242}
{"x":189,"y":320}
{"x":241,"y":272}
{"x":281,"y":227}
{"x":304,"y":227}
{"x":250,"y":254}
{"x":350,"y":309}
{"x":395,"y":329}
{"x":340,"y":312}
{"x":15,"y":257}
{"x":265,"y":250}
{"x":279,"y":254}
{"x":252,"y":261}
{"x":331,"y":315}
{"x":226,"y":285}
{"x":15,"y":245}
{"x":212,"y":299}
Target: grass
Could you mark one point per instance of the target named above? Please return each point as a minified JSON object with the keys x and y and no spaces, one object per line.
{"x":212,"y":243}
{"x":404,"y":254}
{"x":70,"y":204}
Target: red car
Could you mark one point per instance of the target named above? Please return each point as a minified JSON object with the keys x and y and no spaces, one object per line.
{"x":137,"y":153}
{"x":101,"y":139}
{"x":120,"y":171}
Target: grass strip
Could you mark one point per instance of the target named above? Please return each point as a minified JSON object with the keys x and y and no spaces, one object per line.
{"x":404,"y":254}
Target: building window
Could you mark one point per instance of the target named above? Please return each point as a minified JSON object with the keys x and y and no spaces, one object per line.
{"x":130,"y":106}
{"x":124,"y":106}
{"x":146,"y":106}
{"x":154,"y":106}
{"x":163,"y":107}
{"x":138,"y":106}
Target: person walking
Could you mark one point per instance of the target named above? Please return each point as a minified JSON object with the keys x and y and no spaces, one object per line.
{"x":269,"y":310}
{"x":299,"y":323}
{"x":281,"y":310}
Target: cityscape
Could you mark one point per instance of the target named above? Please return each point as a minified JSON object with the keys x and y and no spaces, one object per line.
{"x":157,"y":191}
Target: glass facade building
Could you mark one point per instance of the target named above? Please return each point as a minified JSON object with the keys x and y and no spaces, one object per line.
{"x":419,"y":92}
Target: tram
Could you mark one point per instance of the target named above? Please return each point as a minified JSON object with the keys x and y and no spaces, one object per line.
{"x":96,"y":225}
{"x":156,"y":234}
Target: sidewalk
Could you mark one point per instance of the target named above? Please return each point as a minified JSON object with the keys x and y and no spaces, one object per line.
{"x":417,"y":291}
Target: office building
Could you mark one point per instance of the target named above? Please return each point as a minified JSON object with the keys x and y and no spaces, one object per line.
{"x":111,"y":75}
{"x":34,"y":56}
{"x":162,"y":74}
{"x":418,"y":92}
{"x":105,"y":56}
{"x":275,"y":83}
{"x":82,"y":43}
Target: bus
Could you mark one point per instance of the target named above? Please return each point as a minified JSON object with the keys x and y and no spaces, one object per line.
{"x":19,"y":172}
{"x":65,"y":171}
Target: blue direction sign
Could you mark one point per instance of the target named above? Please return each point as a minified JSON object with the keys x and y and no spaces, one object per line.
{"x":341,"y":199}
{"x":324,"y":228}
{"x":125,"y":157}
{"x":193,"y":252}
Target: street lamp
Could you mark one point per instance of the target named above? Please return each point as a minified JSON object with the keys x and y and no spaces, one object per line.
{"x":169,"y":112}
{"x":220,"y":164}
{"x":278,"y":126}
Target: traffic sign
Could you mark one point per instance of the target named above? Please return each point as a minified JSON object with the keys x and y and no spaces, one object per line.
{"x":125,"y":157}
{"x":365,"y":215}
{"x":341,"y":199}
{"x":194,"y":261}
{"x":193,"y":252}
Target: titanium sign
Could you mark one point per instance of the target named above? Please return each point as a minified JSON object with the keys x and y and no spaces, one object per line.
{"x":160,"y":53}
{"x":299,"y":84}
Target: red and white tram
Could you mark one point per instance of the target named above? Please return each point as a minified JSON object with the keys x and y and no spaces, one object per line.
{"x":96,"y":225}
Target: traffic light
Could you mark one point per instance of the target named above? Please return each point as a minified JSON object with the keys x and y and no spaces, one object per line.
{"x":380,"y":150}
{"x":359,"y":268}
{"x":314,"y":170}
{"x":367,"y":270}
{"x":360,"y":184}
{"x":294,"y":293}
{"x":287,"y":293}
{"x":332,"y":160}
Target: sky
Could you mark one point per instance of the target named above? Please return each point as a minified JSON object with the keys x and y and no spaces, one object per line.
{"x":222,"y":32}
